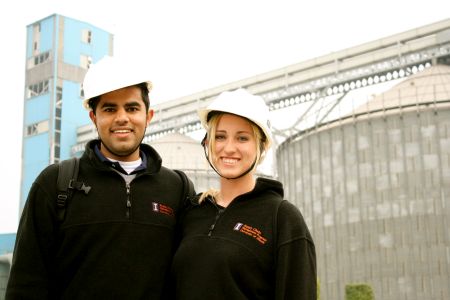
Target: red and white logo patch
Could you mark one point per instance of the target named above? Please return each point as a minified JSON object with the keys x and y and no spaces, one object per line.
{"x":250,"y":231}
{"x":163,"y":209}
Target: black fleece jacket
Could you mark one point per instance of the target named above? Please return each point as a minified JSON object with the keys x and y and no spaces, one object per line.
{"x":259,"y":247}
{"x":116,"y":242}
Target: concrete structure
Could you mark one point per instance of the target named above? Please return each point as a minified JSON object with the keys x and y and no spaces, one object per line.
{"x":6,"y":248}
{"x":5,"y":267}
{"x":59,"y":51}
{"x":390,"y":58}
{"x":182,"y":152}
{"x":374,"y":186}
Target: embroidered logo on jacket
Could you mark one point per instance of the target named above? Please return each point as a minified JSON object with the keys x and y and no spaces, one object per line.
{"x":161,"y":208}
{"x":250,"y":231}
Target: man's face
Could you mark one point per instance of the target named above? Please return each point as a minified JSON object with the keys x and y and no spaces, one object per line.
{"x":121,"y":119}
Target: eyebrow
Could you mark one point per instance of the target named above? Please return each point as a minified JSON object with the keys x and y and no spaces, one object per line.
{"x":239,"y":132}
{"x":129,"y":104}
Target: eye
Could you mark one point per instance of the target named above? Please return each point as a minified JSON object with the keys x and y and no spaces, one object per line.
{"x":220,"y":137}
{"x":108,"y":109}
{"x":132,"y":109}
{"x":243,"y":138}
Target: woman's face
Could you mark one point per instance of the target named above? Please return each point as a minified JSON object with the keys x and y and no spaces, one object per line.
{"x":234,"y":147}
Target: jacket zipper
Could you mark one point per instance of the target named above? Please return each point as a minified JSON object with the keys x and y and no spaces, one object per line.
{"x":219,"y":213}
{"x":128,"y":212}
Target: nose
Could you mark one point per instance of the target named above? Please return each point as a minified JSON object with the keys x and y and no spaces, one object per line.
{"x":122,"y":116}
{"x":229,"y":146}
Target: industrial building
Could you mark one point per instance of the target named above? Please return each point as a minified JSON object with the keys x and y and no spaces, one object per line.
{"x":372,"y":178}
{"x":374,"y":185}
{"x":6,"y":248}
{"x":59,"y":52}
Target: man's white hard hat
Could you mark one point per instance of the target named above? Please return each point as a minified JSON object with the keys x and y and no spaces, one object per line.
{"x":242,"y":103}
{"x":110,"y":74}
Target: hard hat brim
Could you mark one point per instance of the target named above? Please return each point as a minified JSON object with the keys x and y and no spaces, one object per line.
{"x":99,"y":93}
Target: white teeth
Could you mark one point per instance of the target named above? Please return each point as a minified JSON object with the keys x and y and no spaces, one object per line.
{"x":229,"y":160}
{"x":121,"y":131}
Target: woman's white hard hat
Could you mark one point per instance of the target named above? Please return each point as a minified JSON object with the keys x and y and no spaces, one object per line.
{"x":242,"y":103}
{"x":110,"y":74}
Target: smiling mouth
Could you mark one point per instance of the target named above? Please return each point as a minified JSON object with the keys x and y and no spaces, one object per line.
{"x":229,"y":161}
{"x":121,"y":131}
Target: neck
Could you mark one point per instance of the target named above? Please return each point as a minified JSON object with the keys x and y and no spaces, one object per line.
{"x":231,"y":188}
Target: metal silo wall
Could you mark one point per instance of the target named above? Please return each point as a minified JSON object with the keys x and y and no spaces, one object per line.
{"x":375,"y":192}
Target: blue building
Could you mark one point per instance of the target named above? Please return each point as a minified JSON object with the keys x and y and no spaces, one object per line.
{"x":7,"y":241}
{"x":59,"y":52}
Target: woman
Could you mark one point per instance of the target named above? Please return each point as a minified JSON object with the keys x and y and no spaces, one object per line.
{"x":242,"y":241}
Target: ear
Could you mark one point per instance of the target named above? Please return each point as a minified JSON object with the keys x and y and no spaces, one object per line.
{"x":93,"y":117}
{"x":205,"y":140}
{"x":262,"y":147}
{"x":149,"y":116}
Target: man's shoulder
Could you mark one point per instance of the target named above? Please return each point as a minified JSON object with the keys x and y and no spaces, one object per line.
{"x":179,"y":177}
{"x":172,"y":174}
{"x":49,"y":171}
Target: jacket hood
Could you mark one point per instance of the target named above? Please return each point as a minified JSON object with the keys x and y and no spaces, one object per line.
{"x":264,"y":185}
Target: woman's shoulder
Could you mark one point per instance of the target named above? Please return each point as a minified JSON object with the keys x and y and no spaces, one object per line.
{"x":291,"y":220}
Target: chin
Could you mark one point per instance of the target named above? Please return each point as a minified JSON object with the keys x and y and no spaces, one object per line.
{"x":229,"y":174}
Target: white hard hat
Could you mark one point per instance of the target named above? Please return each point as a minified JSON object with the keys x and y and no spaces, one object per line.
{"x":242,"y":103}
{"x":110,"y":74}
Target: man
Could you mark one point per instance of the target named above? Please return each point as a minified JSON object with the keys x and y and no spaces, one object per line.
{"x":116,"y":241}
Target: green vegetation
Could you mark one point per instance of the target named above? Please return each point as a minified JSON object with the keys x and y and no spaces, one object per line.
{"x":318,"y":289}
{"x":359,"y":291}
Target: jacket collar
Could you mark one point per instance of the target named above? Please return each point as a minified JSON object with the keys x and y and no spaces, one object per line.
{"x":263,"y":186}
{"x":151,"y":160}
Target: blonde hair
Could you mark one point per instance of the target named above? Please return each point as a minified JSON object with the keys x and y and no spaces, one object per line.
{"x":262,"y":146}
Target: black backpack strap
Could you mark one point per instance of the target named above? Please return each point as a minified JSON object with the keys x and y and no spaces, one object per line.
{"x":188,"y":187}
{"x":66,"y":183}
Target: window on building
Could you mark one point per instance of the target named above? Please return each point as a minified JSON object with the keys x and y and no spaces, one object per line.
{"x":81,"y":92}
{"x":36,"y":128}
{"x":37,"y":89}
{"x":44,"y":57}
{"x":57,"y":135}
{"x":86,"y":36}
{"x":40,"y":59}
{"x":57,"y":153}
{"x":59,"y":92}
{"x":58,"y":124}
{"x":36,"y":37}
{"x":85,"y":61}
{"x":58,"y":115}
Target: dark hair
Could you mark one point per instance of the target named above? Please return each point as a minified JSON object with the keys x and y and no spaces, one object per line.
{"x":144,"y":93}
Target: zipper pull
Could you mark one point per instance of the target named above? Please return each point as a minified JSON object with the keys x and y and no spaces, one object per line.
{"x":128,"y":201}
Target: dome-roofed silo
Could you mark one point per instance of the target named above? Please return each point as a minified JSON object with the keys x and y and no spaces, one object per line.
{"x":429,"y":87}
{"x":375,"y":188}
{"x":182,"y":152}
